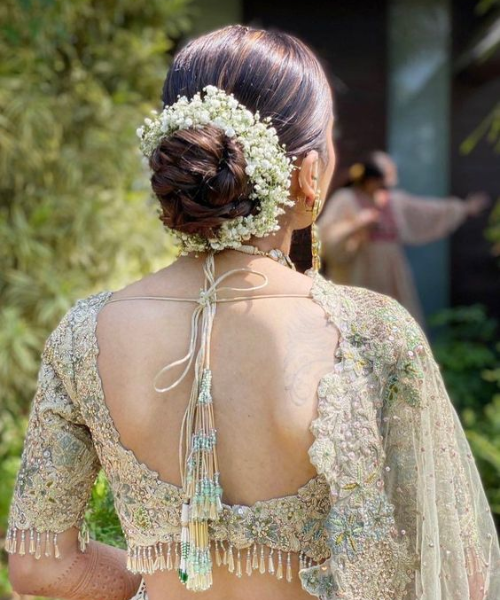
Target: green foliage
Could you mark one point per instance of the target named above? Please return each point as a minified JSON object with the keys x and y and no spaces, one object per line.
{"x":468,"y":351}
{"x":484,"y":6}
{"x":488,"y":129}
{"x":103,"y":521}
{"x":464,"y":348}
{"x":493,"y":231}
{"x":76,"y":80}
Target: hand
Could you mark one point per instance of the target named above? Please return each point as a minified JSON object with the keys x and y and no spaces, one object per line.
{"x":367,"y":216}
{"x":476,"y":203}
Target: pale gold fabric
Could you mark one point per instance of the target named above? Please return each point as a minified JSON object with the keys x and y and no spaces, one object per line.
{"x":406,"y":516}
{"x":381,"y":265}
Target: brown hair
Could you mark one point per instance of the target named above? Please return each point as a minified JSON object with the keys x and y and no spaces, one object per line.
{"x":199,"y":175}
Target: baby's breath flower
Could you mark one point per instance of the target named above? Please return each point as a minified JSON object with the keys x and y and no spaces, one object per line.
{"x":268,"y":167}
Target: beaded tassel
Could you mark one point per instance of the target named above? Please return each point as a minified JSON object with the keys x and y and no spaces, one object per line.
{"x":162,"y":565}
{"x":48,"y":548}
{"x":248,"y":567}
{"x":255,"y":559}
{"x":38,"y":547}
{"x":177,"y":562}
{"x":11,"y":541}
{"x":262,"y":563}
{"x":224,"y":556}
{"x":183,"y":574}
{"x":57,"y":554}
{"x":288,"y":568}
{"x":22,"y":547}
{"x":270,"y":566}
{"x":239,"y":572}
{"x":202,"y":490}
{"x":83,"y":536}
{"x":279,"y":570}
{"x":230,"y":559}
{"x":169,"y":557}
{"x":32,"y":542}
{"x":218,"y":559}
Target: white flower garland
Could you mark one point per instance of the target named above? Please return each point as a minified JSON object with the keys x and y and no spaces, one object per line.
{"x":268,"y":167}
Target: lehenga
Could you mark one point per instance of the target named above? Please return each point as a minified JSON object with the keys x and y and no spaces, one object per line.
{"x":396,"y":511}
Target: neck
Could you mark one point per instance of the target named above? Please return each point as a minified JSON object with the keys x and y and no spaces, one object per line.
{"x":282,"y":240}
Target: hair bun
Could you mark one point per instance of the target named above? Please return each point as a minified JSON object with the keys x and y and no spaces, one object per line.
{"x":199,"y":177}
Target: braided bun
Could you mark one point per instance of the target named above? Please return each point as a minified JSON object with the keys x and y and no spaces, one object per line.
{"x":199,"y":178}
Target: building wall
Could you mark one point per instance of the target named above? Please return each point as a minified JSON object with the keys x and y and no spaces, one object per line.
{"x":350,"y":38}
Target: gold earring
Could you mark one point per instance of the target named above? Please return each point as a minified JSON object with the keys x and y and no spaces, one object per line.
{"x":315,"y":239}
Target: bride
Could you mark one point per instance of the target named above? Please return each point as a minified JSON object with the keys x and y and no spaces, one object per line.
{"x":266,"y":434}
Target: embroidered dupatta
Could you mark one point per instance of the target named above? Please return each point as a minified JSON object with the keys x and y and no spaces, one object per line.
{"x":409,"y":518}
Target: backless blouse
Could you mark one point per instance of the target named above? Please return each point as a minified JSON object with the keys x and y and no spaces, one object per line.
{"x":397,"y":509}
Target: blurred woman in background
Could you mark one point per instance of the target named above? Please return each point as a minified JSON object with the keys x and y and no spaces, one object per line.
{"x":366,"y":223}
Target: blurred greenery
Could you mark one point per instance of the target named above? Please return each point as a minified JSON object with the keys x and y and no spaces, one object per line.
{"x":76,"y":80}
{"x":489,"y":127}
{"x":493,"y":231}
{"x":468,"y":352}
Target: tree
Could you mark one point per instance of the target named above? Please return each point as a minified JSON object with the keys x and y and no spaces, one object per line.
{"x":76,"y":79}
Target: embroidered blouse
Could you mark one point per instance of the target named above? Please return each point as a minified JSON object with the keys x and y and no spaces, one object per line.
{"x":396,"y":511}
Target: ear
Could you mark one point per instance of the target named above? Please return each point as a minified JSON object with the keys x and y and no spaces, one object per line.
{"x":308,"y":176}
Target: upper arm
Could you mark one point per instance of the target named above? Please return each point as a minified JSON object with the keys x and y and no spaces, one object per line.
{"x":431,"y":479}
{"x":410,"y":513}
{"x":59,"y":463}
{"x":423,"y":220}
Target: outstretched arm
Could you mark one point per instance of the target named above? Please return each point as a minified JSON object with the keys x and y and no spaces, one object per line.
{"x":422,"y":220}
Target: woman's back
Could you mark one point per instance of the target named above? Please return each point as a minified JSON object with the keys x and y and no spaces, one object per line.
{"x":267,"y":358}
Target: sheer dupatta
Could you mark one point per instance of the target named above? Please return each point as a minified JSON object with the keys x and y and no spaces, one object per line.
{"x":409,"y":516}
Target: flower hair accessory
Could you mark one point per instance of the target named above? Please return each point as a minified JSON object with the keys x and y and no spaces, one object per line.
{"x":268,"y":167}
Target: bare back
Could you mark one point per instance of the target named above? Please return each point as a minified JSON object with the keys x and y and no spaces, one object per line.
{"x":267,"y":358}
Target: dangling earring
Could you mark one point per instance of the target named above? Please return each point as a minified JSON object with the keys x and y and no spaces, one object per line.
{"x":315,"y":239}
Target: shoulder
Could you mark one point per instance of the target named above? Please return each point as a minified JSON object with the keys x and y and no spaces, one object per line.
{"x":62,"y":344}
{"x":378,"y":326}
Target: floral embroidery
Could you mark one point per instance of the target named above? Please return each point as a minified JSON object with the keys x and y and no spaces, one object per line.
{"x":347,"y":446}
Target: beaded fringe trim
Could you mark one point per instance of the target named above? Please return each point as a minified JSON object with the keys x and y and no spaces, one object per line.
{"x":37,"y":543}
{"x":167,"y":556}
